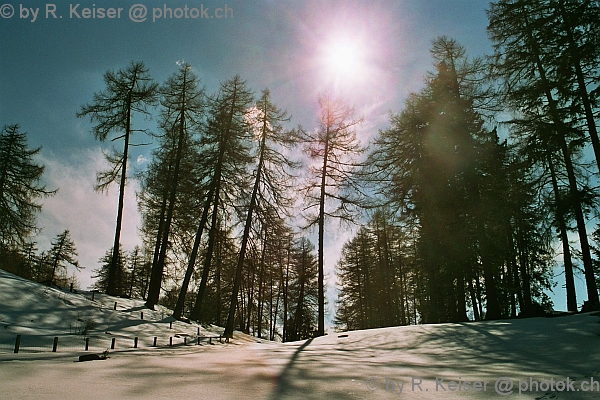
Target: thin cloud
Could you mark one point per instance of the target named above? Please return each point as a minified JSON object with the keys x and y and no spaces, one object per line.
{"x":90,"y":216}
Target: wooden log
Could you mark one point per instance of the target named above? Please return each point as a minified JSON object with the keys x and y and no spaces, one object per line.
{"x":17,"y":343}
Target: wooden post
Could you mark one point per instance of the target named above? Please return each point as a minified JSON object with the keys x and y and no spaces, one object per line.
{"x":198,"y":331}
{"x":17,"y":343}
{"x":170,"y":324}
{"x":154,"y":345}
{"x":87,"y":343}
{"x":198,"y":340}
{"x":112,"y":344}
{"x":55,"y":345}
{"x":171,"y":341}
{"x":115,"y":308}
{"x":142,"y":314}
{"x":93,"y":293}
{"x":135,"y":341}
{"x":71,"y":288}
{"x":210,"y":340}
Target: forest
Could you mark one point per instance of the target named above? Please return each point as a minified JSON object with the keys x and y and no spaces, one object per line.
{"x":479,"y":191}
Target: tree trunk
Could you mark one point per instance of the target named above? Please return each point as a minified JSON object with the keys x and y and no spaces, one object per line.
{"x":112,"y":289}
{"x":240,"y":264}
{"x":581,"y":86}
{"x":261,"y":274}
{"x":321,"y":277}
{"x":178,"y":312}
{"x":195,"y":315}
{"x":590,"y":280}
{"x":569,"y":279}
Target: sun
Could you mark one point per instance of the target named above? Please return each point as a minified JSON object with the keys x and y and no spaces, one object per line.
{"x":342,"y":59}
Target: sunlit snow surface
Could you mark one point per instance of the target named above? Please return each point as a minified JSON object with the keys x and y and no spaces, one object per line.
{"x":380,"y":363}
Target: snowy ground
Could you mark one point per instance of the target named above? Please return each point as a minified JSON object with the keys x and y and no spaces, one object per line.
{"x":555,"y":355}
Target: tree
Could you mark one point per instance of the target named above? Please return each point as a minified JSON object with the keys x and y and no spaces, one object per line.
{"x":303,"y":291}
{"x":271,"y":180}
{"x":526,"y":62}
{"x":334,"y":145}
{"x":102,"y":274}
{"x":62,"y":254}
{"x":182,"y":114}
{"x":429,"y":154}
{"x":227,"y":151}
{"x":140,"y":269}
{"x":128,"y":91}
{"x":133,"y":273}
{"x":373,"y":275}
{"x":463,"y":202}
{"x":20,"y":188}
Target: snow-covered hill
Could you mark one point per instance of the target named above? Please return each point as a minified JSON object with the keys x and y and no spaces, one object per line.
{"x":537,"y":358}
{"x":39,"y":313}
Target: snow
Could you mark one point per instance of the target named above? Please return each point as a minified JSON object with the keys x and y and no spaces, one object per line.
{"x":554,"y":354}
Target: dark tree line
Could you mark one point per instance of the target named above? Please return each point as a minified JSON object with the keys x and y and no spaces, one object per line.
{"x":214,"y":202}
{"x":478,"y":217}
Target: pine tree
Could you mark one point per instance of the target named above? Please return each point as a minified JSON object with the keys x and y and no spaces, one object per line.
{"x":128,"y":91}
{"x":526,"y":64}
{"x":183,"y":106}
{"x":447,"y":176}
{"x":138,"y":271}
{"x":271,"y":181}
{"x":226,"y":142}
{"x":62,"y":254}
{"x":334,"y":145}
{"x":373,"y":276}
{"x":305,"y":287}
{"x":20,"y":188}
{"x":102,"y":274}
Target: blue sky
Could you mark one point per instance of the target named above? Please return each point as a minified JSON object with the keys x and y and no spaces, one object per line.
{"x":50,"y":67}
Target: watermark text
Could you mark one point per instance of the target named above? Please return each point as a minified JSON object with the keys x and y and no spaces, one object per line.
{"x":136,"y":13}
{"x":502,"y":386}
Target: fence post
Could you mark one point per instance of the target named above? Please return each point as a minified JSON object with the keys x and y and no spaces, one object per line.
{"x":135,"y":341}
{"x":55,"y":345}
{"x":170,"y":324}
{"x":171,"y":341}
{"x":198,"y":340}
{"x":17,"y":343}
{"x":210,"y":340}
{"x":87,"y":343}
{"x":154,"y":345}
{"x":115,"y":307}
{"x":185,"y":340}
{"x":142,"y":314}
{"x":198,"y":331}
{"x":93,"y":295}
{"x":112,"y":344}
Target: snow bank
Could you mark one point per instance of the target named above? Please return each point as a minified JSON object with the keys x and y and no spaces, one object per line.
{"x":543,"y":358}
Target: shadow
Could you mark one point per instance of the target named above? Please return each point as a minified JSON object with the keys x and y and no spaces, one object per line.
{"x":284,"y":379}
